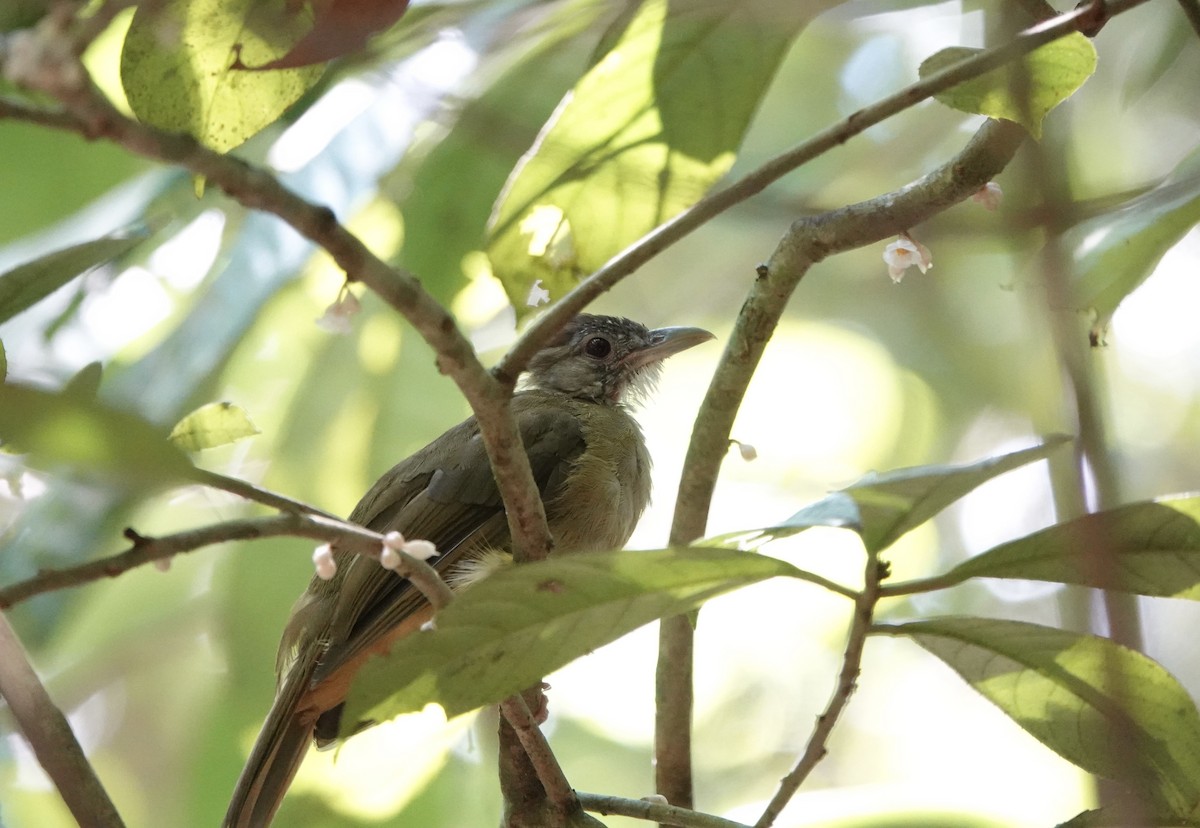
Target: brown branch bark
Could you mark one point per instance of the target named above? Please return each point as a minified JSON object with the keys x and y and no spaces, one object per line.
{"x":50,"y":736}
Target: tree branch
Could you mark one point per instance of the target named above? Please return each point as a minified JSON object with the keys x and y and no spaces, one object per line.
{"x":809,"y":240}
{"x":348,"y":536}
{"x":48,"y":65}
{"x":864,"y":610}
{"x":653,"y":812}
{"x":712,"y":205}
{"x":49,"y":734}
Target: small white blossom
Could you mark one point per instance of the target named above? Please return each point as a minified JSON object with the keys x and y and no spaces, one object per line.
{"x":747,"y":451}
{"x":906,"y":252}
{"x":656,"y":799}
{"x":989,"y":195}
{"x":422,"y":550}
{"x":162,"y":564}
{"x":323,"y":561}
{"x":389,"y":558}
{"x":394,"y":540}
{"x":538,"y":295}
{"x":338,"y":316}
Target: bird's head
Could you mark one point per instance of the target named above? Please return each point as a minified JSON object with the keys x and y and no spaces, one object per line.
{"x":607,"y":359}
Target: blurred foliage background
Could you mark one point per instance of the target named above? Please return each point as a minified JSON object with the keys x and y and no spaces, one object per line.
{"x":166,"y":676}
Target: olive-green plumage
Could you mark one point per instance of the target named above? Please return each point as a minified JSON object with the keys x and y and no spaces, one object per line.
{"x":591,"y":466}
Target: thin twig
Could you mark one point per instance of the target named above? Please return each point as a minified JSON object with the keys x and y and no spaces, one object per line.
{"x":348,"y":536}
{"x":864,"y":610}
{"x":50,"y":736}
{"x":653,"y":811}
{"x":257,"y":494}
{"x":696,"y":216}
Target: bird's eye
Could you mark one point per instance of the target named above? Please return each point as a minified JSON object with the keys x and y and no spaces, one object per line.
{"x":597,"y":347}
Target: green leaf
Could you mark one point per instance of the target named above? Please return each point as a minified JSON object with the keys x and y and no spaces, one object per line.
{"x":183,"y":66}
{"x":85,"y":385}
{"x":1114,"y":253}
{"x":211,"y":425}
{"x":1156,"y":545}
{"x":643,"y":135}
{"x":3,"y":363}
{"x":26,"y":284}
{"x":1051,"y":74}
{"x":67,"y":429}
{"x":444,"y":221}
{"x":1108,"y":709}
{"x":1114,"y":818}
{"x":882,"y":507}
{"x":509,"y":630}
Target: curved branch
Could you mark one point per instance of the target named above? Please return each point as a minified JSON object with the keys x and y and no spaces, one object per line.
{"x":808,"y":241}
{"x":637,"y":254}
{"x":49,"y":66}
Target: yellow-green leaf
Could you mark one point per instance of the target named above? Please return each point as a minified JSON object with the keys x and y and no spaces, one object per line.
{"x":516,"y":626}
{"x":211,"y":425}
{"x":1051,"y":74}
{"x":643,"y":135}
{"x":181,"y":66}
{"x":1108,"y":709}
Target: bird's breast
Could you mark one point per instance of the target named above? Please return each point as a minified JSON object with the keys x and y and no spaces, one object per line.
{"x":608,"y":486}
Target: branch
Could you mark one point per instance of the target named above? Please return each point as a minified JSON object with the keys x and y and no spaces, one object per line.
{"x":249,"y":491}
{"x":49,"y":734}
{"x":653,"y":811}
{"x":42,"y":59}
{"x":656,"y":241}
{"x":809,"y":240}
{"x":554,"y":782}
{"x":864,"y":610}
{"x":348,"y":536}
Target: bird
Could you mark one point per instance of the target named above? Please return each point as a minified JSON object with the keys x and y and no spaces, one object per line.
{"x":592,"y":469}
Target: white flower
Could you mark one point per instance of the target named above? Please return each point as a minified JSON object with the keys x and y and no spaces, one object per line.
{"x":656,"y":799}
{"x":389,"y":558}
{"x":323,"y":560}
{"x":538,"y":295}
{"x":422,"y":550}
{"x":338,"y":316}
{"x":989,"y":195}
{"x":905,"y":252}
{"x":393,"y":540}
{"x":747,"y":451}
{"x":162,"y":564}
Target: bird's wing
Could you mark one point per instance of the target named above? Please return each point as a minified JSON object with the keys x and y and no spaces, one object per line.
{"x":458,"y":508}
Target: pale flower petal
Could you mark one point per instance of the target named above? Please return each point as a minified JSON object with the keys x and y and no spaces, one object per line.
{"x":323,"y":561}
{"x":989,"y":195}
{"x":394,"y":540}
{"x":338,"y":316}
{"x":422,"y":550}
{"x":538,"y":295}
{"x":906,"y":252}
{"x":389,"y":558}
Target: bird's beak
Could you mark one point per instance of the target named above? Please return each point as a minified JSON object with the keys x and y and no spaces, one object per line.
{"x":665,"y":342}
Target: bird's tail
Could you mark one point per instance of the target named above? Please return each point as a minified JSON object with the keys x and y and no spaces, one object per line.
{"x":273,"y":762}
